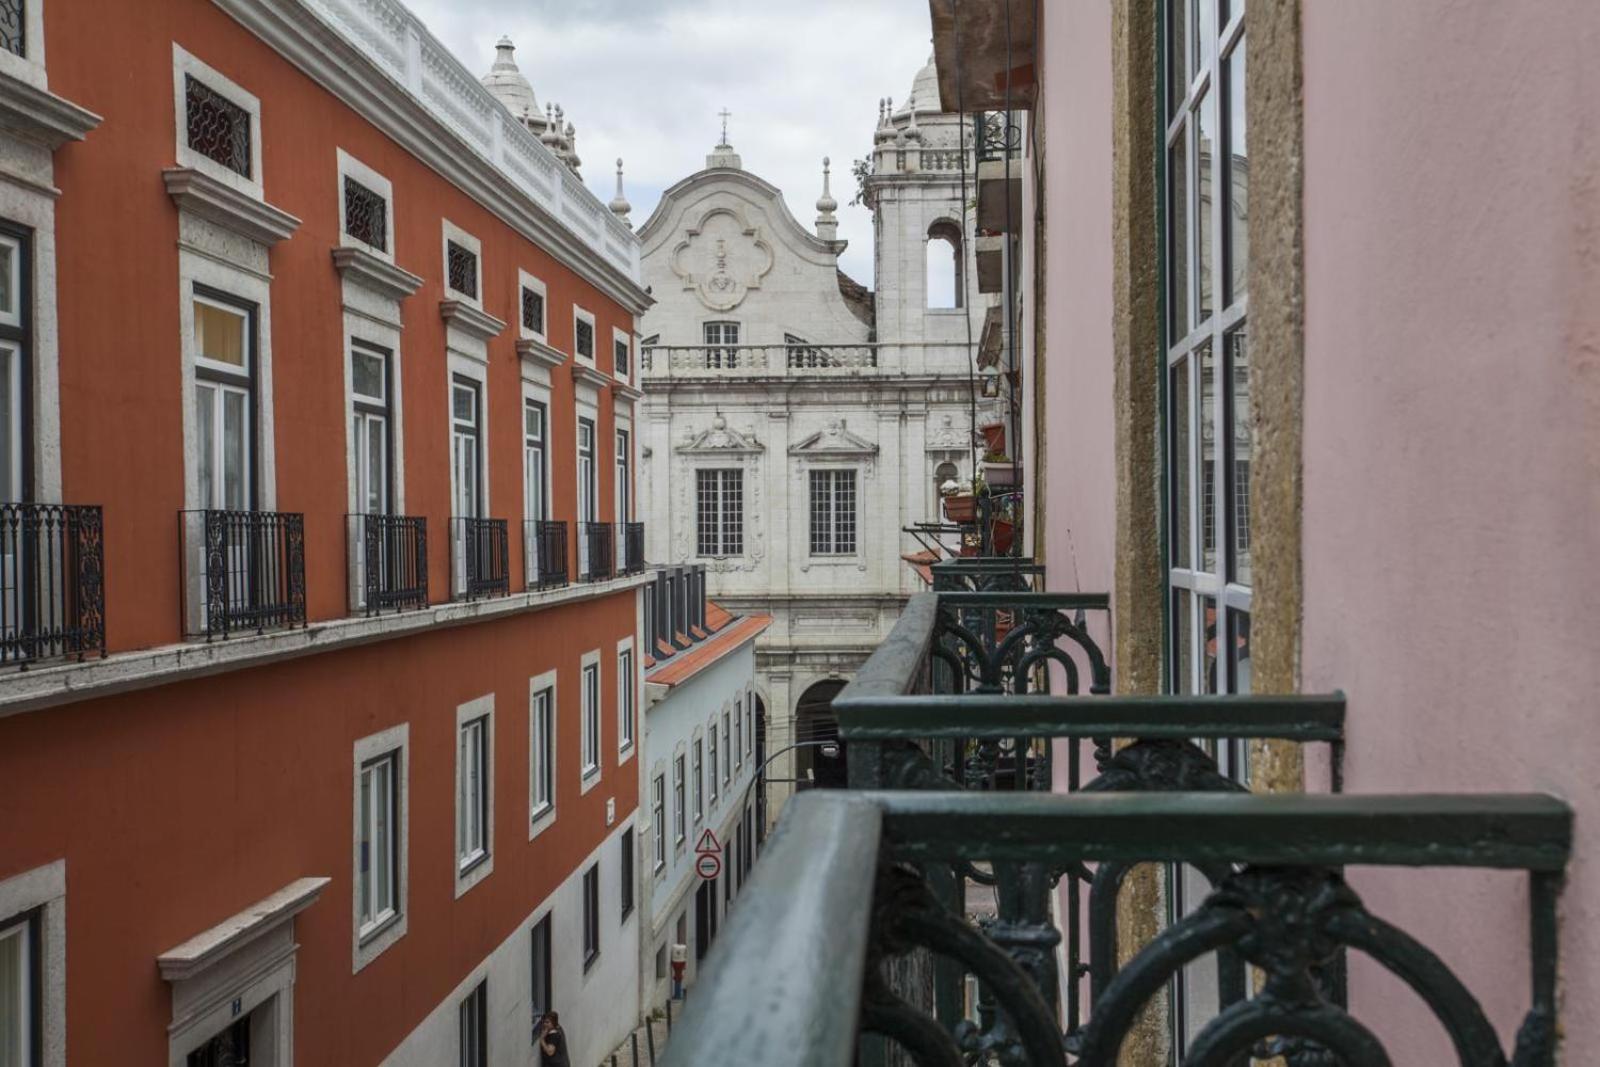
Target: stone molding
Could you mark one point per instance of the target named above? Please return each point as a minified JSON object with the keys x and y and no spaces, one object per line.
{"x":204,"y":197}
{"x":539,"y":353}
{"x":216,"y":944}
{"x":460,"y":315}
{"x":39,"y":115}
{"x":378,"y":275}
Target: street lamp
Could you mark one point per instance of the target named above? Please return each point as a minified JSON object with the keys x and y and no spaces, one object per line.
{"x":830,"y":749}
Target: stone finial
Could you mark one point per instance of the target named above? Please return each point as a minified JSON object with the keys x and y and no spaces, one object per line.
{"x":827,"y":222}
{"x":619,"y":203}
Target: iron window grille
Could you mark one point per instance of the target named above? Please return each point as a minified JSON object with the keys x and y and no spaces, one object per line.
{"x":620,"y":357}
{"x":366,"y":215}
{"x":483,"y":556}
{"x":633,"y":548}
{"x":533,"y":310}
{"x":52,"y":582}
{"x":219,"y":129}
{"x":461,"y":265}
{"x":550,"y":552}
{"x":583,"y":338}
{"x":598,"y":541}
{"x":13,"y":37}
{"x":833,"y":513}
{"x":719,"y":519}
{"x":394,"y":561}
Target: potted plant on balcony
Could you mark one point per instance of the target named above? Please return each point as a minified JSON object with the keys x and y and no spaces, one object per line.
{"x":1003,"y":526}
{"x":994,"y":437}
{"x":998,"y":470}
{"x":961,"y":502}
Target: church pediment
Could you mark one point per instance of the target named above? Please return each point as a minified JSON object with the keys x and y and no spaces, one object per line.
{"x":722,"y":440}
{"x":835,"y":442}
{"x":722,"y":257}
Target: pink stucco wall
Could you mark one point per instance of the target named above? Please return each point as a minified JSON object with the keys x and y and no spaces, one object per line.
{"x":1452,"y":448}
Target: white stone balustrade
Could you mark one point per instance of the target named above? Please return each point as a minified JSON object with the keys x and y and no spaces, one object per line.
{"x":801,"y":360}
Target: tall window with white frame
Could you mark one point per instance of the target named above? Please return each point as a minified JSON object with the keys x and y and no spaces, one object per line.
{"x":370,"y":426}
{"x":225,"y":401}
{"x":591,"y":719}
{"x":1207,"y":428}
{"x":720,"y":336}
{"x":472,"y":796}
{"x":625,"y":705}
{"x":738,"y":733}
{"x":591,"y":915}
{"x":532,"y":310}
{"x":833,"y":513}
{"x":711,"y":739}
{"x":474,"y":1028}
{"x":16,"y":438}
{"x":541,"y":758}
{"x":624,"y":481}
{"x":466,"y":447}
{"x":727,"y":751}
{"x":620,"y":353}
{"x":658,"y":815}
{"x":698,"y":768}
{"x":680,"y":821}
{"x":378,"y":858}
{"x":719,"y":515}
{"x":626,"y":855}
{"x":535,"y":473}
{"x":588,"y":502}
{"x":20,"y":1007}
{"x":541,"y":956}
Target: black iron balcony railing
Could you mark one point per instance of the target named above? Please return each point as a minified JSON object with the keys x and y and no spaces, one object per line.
{"x":632,"y":548}
{"x":951,"y":729}
{"x":52,"y":582}
{"x":389,"y":562}
{"x":547,"y":553}
{"x":481,"y":557}
{"x":596,"y":546}
{"x":246,"y":571}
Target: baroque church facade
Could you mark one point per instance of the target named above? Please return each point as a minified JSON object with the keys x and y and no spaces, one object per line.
{"x":795,"y":422}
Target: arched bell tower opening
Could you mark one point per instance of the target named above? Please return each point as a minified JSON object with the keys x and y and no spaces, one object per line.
{"x":946,"y":288}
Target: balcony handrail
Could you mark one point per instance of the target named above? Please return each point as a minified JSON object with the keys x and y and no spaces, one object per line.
{"x":805,"y":358}
{"x":251,"y":570}
{"x":391,"y":552}
{"x":52,"y":582}
{"x":483,"y":567}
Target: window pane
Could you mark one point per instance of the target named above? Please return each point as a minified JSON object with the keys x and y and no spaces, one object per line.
{"x":1178,"y":237}
{"x":15,"y":997}
{"x":1243,"y":452}
{"x":377,"y":448}
{"x":1205,"y":116}
{"x":367,"y":376}
{"x":1178,"y":463}
{"x":1209,"y":675}
{"x":1177,"y":68}
{"x":383,"y":849}
{"x":1205,"y":25}
{"x":219,"y":334}
{"x":465,"y":404}
{"x":10,"y":426}
{"x":235,"y":450}
{"x":1238,"y":202}
{"x":1183,"y":641}
{"x":1208,"y":456}
{"x":1239,"y":650}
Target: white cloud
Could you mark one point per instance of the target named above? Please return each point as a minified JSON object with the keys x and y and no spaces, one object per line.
{"x":644,"y":80}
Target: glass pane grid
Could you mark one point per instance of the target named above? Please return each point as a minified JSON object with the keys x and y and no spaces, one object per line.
{"x":532,"y":310}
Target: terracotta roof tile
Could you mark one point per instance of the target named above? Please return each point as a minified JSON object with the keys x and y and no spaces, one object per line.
{"x":691,"y":661}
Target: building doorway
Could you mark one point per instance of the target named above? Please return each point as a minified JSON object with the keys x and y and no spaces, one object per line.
{"x":814,"y":721}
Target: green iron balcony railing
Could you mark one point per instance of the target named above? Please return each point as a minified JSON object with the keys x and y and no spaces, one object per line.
{"x":952,"y":732}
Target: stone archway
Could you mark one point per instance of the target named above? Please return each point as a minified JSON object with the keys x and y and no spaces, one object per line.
{"x":814,"y":721}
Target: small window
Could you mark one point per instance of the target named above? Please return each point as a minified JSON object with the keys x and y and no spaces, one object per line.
{"x":711,"y":738}
{"x":461,"y":269}
{"x":591,"y":916}
{"x":591,"y":719}
{"x":833,"y":513}
{"x":19,"y":990}
{"x":699,"y":781}
{"x":366,"y":215}
{"x":738,"y":734}
{"x":627,"y":874}
{"x":378,"y":852}
{"x":539,"y":956}
{"x":945,"y":285}
{"x":658,"y":816}
{"x":625,"y":688}
{"x":472,"y":796}
{"x":583,"y":335}
{"x":13,"y":38}
{"x":541,"y":761}
{"x":475,"y":1027}
{"x":218,"y":128}
{"x":679,"y":810}
{"x":719,"y":520}
{"x":532,"y":310}
{"x":620,"y":356}
{"x":727,"y":752}
{"x":750,"y":725}
{"x":720,"y":335}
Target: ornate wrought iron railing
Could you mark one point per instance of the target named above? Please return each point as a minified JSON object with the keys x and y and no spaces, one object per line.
{"x":953,"y":788}
{"x":52,"y":582}
{"x":247,"y":571}
{"x":389,"y":562}
{"x":481,"y":563}
{"x":546,"y":541}
{"x":632,"y":548}
{"x":596,"y":546}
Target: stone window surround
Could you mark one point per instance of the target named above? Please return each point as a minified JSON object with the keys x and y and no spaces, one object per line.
{"x":619,"y":336}
{"x":465,"y":878}
{"x":28,"y":68}
{"x":590,"y":777}
{"x":349,"y":166}
{"x":450,"y":232}
{"x":679,"y":806}
{"x":658,"y":827}
{"x":627,"y":746}
{"x":185,"y":65}
{"x":45,"y":888}
{"x":542,"y":819}
{"x":528,"y":281}
{"x":396,"y":739}
{"x":580,"y":314}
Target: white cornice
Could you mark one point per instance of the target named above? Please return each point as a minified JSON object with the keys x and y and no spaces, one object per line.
{"x":379,"y":275}
{"x":585,"y":375}
{"x":348,"y":70}
{"x":623,"y":389}
{"x":535,"y":351}
{"x":40,"y":115}
{"x":227,"y":937}
{"x":204,"y":197}
{"x":469,"y":320}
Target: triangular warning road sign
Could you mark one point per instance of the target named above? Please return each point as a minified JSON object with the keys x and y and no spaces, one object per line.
{"x":708,"y":843}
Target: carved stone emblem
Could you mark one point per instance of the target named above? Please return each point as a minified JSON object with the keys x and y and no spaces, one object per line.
{"x":722,"y":258}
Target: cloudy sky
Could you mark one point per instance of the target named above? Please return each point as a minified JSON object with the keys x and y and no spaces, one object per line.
{"x":645,"y":79}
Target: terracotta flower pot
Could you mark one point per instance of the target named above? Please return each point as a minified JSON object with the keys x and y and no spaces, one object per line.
{"x":994,"y":438}
{"x":1002,"y":532}
{"x":959,"y":508}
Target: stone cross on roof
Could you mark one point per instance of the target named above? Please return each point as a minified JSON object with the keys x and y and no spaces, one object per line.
{"x":726,"y":115}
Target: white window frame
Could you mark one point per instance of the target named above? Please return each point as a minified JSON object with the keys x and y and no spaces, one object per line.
{"x":832,"y":473}
{"x":720,"y":477}
{"x":541,"y":815}
{"x":711,"y":758}
{"x":658,"y":814}
{"x":580,"y":314}
{"x":185,"y":65}
{"x":351,"y":167}
{"x":474,"y":865}
{"x":471,"y":1010}
{"x":450,"y":232}
{"x":623,"y":337}
{"x":590,"y":702}
{"x":528,"y":281}
{"x":697,"y":775}
{"x":368,"y":944}
{"x":44,"y":890}
{"x":680,"y":799}
{"x":627,"y":698}
{"x":738,"y":733}
{"x":727,"y":747}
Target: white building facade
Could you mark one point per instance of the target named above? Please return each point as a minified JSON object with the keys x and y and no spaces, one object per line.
{"x":796,"y":422}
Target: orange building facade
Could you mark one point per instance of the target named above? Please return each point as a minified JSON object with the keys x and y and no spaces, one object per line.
{"x":320,"y":607}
